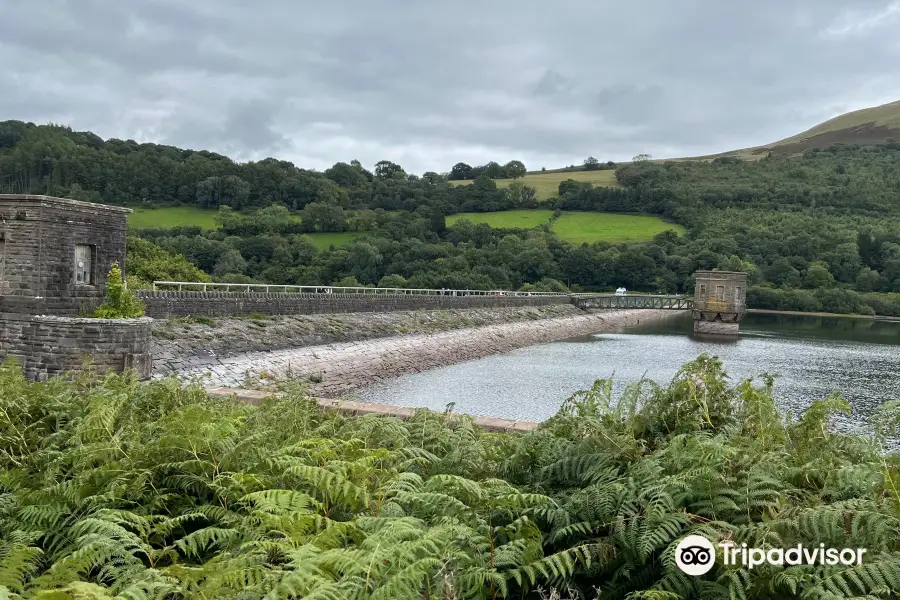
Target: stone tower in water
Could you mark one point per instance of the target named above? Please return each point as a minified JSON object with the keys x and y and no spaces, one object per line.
{"x":719,"y":302}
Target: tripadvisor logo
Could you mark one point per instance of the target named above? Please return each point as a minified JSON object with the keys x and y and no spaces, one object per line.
{"x":696,"y":555}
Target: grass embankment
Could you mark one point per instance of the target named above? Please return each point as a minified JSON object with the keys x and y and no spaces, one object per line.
{"x":546,"y":185}
{"x":113,"y":488}
{"x":577,"y":227}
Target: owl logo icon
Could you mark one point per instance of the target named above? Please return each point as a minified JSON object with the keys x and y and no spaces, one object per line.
{"x":695,"y":555}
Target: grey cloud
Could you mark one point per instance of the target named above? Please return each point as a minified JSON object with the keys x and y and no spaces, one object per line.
{"x":430,"y":84}
{"x":247,"y":131}
{"x":630,"y":103}
{"x":553,"y":84}
{"x":251,"y":125}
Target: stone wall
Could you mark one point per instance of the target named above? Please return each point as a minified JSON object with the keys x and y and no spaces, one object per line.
{"x":38,"y":235}
{"x":716,"y":327}
{"x":47,"y":346}
{"x":187,"y":342}
{"x":168,"y":304}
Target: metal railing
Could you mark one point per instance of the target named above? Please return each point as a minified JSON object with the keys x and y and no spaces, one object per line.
{"x":674,"y":302}
{"x":627,"y":295}
{"x":330,"y":289}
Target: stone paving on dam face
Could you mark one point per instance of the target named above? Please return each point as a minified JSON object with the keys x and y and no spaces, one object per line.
{"x":334,"y":369}
{"x":186,"y":343}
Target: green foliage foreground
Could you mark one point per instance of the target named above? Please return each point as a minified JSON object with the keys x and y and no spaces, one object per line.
{"x":115,"y":488}
{"x":119,"y":303}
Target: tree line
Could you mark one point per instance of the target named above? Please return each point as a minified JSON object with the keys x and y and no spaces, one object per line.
{"x":511,"y":170}
{"x":815,"y":232}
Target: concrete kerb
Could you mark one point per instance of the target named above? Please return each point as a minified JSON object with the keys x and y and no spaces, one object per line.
{"x":489,"y":424}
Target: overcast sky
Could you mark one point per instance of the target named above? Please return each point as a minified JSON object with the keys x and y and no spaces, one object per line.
{"x":428,"y":84}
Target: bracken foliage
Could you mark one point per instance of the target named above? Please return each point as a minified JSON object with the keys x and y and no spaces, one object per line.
{"x":113,"y":488}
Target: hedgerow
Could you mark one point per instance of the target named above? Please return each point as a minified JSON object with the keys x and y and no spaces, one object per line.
{"x":114,"y":488}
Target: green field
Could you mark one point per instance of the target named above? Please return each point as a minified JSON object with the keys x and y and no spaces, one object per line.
{"x":172,"y":216}
{"x":547,"y":184}
{"x":324,"y":240}
{"x":577,"y":227}
{"x":507,"y":219}
{"x":573,"y":227}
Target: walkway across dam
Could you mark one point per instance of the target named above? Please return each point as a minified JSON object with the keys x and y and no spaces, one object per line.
{"x":635,"y":301}
{"x":182,"y":298}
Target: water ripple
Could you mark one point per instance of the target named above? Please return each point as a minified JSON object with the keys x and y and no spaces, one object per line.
{"x":810,"y":357}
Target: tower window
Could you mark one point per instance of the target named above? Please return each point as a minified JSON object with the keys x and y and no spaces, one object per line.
{"x":84,"y":263}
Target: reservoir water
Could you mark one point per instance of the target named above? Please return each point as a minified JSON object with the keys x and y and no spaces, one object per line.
{"x":810,"y":357}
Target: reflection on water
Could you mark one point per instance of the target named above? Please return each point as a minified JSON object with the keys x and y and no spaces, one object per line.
{"x":810,"y":356}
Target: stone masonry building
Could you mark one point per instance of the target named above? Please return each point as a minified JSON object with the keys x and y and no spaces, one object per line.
{"x":55,"y":255}
{"x":720,"y":302}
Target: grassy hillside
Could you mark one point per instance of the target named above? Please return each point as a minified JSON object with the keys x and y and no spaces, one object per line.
{"x":886,"y":115}
{"x":547,"y":184}
{"x":577,"y":227}
{"x":173,"y":216}
{"x":580,"y":227}
{"x":873,"y":125}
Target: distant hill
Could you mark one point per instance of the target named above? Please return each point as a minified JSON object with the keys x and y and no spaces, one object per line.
{"x":867,"y":126}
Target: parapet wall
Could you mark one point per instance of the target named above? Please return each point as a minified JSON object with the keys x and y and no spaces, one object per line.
{"x":168,"y":304}
{"x":48,"y":346}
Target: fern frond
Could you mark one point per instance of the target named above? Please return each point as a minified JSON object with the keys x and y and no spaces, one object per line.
{"x":199,"y":542}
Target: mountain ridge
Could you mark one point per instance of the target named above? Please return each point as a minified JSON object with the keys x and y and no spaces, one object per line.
{"x":866,"y":126}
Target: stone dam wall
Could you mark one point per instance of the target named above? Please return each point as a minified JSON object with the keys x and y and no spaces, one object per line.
{"x":168,"y":304}
{"x":188,"y":342}
{"x":335,"y":369}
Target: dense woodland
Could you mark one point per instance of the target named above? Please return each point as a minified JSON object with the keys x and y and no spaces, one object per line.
{"x":117,"y":490}
{"x":816,"y":232}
